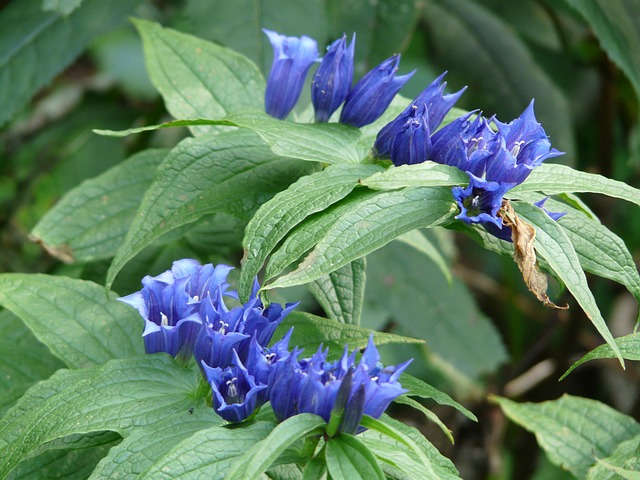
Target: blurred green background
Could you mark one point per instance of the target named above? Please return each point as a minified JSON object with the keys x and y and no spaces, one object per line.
{"x":67,"y":66}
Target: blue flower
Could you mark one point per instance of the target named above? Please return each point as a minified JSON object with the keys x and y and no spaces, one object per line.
{"x":225,"y":330}
{"x":168,"y":303}
{"x":332,"y":80}
{"x":312,"y":385}
{"x":262,"y":362}
{"x":234,"y":391}
{"x":292,"y":58}
{"x":555,"y":216}
{"x":424,"y":113}
{"x":371,"y":96}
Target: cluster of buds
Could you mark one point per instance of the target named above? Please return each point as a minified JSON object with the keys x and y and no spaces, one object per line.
{"x":185,"y":315}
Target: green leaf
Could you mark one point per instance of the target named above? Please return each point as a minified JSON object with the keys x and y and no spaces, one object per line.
{"x":426,"y":174}
{"x":118,"y":396}
{"x":341,"y":293}
{"x":264,"y":453}
{"x":552,"y":178}
{"x":503,"y":67}
{"x":573,"y":431}
{"x":303,"y":237}
{"x":617,"y":26}
{"x":137,"y":453}
{"x":332,"y":143}
{"x":23,"y":360}
{"x":371,"y":225}
{"x":403,"y":452}
{"x":419,"y":388}
{"x":208,"y":453}
{"x":418,"y":299}
{"x":417,"y":240}
{"x":196,"y":78}
{"x":629,"y":347}
{"x":309,"y":331}
{"x":67,"y":464}
{"x":348,"y":458}
{"x":36,"y":45}
{"x":310,"y":194}
{"x":624,"y":462}
{"x":80,"y":323}
{"x":315,"y":469}
{"x":231,"y":172}
{"x":553,"y":245}
{"x":404,"y":400}
{"x":64,"y":7}
{"x":91,"y":220}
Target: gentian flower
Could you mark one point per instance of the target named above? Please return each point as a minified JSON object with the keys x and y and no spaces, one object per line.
{"x":371,"y":96}
{"x":168,"y":303}
{"x":332,"y":80}
{"x":292,"y":58}
{"x":418,"y":121}
{"x":262,"y":361}
{"x":234,"y":391}
{"x":502,"y":163}
{"x":312,"y":385}
{"x":225,"y":330}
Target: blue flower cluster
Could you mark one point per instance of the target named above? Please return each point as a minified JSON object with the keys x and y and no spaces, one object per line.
{"x":185,"y":314}
{"x":331,"y":84}
{"x":495,"y":158}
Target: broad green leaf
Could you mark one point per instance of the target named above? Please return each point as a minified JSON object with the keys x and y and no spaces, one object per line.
{"x":35,"y":45}
{"x":371,"y":225}
{"x":118,"y":396}
{"x":426,"y":174}
{"x":303,"y":237}
{"x":552,"y":178}
{"x":410,"y":402}
{"x":480,"y":49}
{"x":553,"y":245}
{"x":196,"y":78}
{"x":348,"y":458}
{"x":243,"y":33}
{"x":288,"y":471}
{"x":137,"y":453}
{"x":617,"y":26}
{"x":399,"y":460}
{"x":629,"y":347}
{"x":573,"y":431}
{"x":419,"y":388}
{"x":315,"y":469}
{"x":23,"y":360}
{"x":624,"y":462}
{"x":264,"y":453}
{"x":80,"y":323}
{"x":332,"y":143}
{"x":309,"y":331}
{"x":91,"y":220}
{"x":67,"y":464}
{"x":231,"y":172}
{"x":208,"y":453}
{"x":310,"y":194}
{"x":341,"y":293}
{"x":418,"y":299}
{"x":417,"y":240}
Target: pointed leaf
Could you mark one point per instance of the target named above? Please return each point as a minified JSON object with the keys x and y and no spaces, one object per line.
{"x":417,"y":240}
{"x":404,"y":400}
{"x":341,"y":293}
{"x":425,"y":174}
{"x":624,"y":462}
{"x":629,"y":346}
{"x":553,"y":245}
{"x":90,"y":221}
{"x":419,"y":388}
{"x":348,"y":458}
{"x":374,"y":223}
{"x":231,"y":172}
{"x":264,"y":453}
{"x":573,"y":431}
{"x":80,"y":323}
{"x":310,"y":194}
{"x":196,"y":78}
